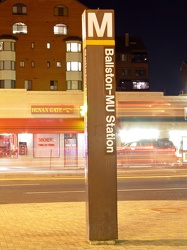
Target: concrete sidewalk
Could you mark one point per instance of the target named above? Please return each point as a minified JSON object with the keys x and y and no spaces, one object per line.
{"x":142,"y":225}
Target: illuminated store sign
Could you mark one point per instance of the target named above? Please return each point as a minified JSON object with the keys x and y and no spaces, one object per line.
{"x":57,"y":109}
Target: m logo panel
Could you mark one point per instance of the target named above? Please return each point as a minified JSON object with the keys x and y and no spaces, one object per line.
{"x":100,"y":124}
{"x":100,"y":24}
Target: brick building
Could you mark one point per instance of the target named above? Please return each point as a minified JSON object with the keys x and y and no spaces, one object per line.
{"x":40,"y":45}
{"x":131,"y":64}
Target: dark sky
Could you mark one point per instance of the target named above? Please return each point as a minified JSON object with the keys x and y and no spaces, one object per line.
{"x":162,"y":25}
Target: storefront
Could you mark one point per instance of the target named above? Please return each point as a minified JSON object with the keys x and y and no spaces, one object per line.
{"x":45,"y":134}
{"x":153,"y":116}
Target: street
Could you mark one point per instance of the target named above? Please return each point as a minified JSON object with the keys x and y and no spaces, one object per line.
{"x":72,"y":189}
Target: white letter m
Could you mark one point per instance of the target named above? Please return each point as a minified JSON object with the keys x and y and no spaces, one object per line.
{"x":106,"y":22}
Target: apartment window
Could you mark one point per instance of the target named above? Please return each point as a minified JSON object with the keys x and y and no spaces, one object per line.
{"x":22,"y":64}
{"x":33,"y":64}
{"x":60,"y":29}
{"x":74,"y":85}
{"x":140,"y":85}
{"x":32,"y":45}
{"x":48,"y":64}
{"x":60,"y":10}
{"x":139,"y":57}
{"x":7,"y":84}
{"x":126,"y":71}
{"x":59,"y":64}
{"x":7,"y":65}
{"x":1,"y":84}
{"x":7,"y":46}
{"x":73,"y":47}
{"x":118,"y":57}
{"x":28,"y":84}
{"x":48,"y":45}
{"x":53,"y":85}
{"x":73,"y":66}
{"x":1,"y":45}
{"x":124,"y":57}
{"x":18,"y":28}
{"x":19,"y":9}
{"x":140,"y":72}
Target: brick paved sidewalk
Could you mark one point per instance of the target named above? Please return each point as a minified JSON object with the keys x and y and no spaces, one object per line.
{"x":142,"y":225}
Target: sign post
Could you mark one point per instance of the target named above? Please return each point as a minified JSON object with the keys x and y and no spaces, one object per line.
{"x":100,"y":125}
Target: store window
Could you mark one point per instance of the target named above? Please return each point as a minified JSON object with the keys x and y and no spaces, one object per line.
{"x":70,"y":150}
{"x":8,"y":146}
{"x":46,"y":145}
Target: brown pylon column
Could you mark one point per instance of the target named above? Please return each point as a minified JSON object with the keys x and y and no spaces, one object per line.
{"x":100,"y":120}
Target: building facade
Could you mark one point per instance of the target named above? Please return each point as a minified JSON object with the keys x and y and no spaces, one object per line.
{"x":131,"y":64}
{"x":40,"y":45}
{"x":41,"y":87}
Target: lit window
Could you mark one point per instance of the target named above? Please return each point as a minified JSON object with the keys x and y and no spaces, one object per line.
{"x":19,"y":28}
{"x":48,"y":65}
{"x":22,"y":64}
{"x":48,"y":45}
{"x":53,"y":85}
{"x":123,"y":57}
{"x":60,"y":29}
{"x":73,"y":47}
{"x":7,"y":84}
{"x":32,"y":45}
{"x":73,"y":66}
{"x":19,"y":9}
{"x":8,"y":46}
{"x":7,"y":65}
{"x":1,"y":45}
{"x":59,"y":64}
{"x":60,"y":10}
{"x":74,"y":85}
{"x":32,"y":64}
{"x":140,"y":85}
{"x":28,"y":84}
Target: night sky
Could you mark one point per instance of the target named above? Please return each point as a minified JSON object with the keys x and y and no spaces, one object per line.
{"x":162,"y":25}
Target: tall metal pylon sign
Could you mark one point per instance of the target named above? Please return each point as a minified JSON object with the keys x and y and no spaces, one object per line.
{"x":100,"y":125}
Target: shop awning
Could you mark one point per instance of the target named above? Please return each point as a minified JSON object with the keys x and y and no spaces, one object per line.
{"x":41,"y":125}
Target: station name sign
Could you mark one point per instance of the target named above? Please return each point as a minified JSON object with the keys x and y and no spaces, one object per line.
{"x":98,"y":33}
{"x":110,"y":99}
{"x":52,"y":109}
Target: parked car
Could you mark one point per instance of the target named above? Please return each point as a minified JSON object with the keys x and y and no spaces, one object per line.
{"x":148,"y":151}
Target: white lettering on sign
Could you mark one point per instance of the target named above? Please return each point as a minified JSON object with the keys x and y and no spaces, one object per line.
{"x":110,"y":100}
{"x":100,"y":29}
